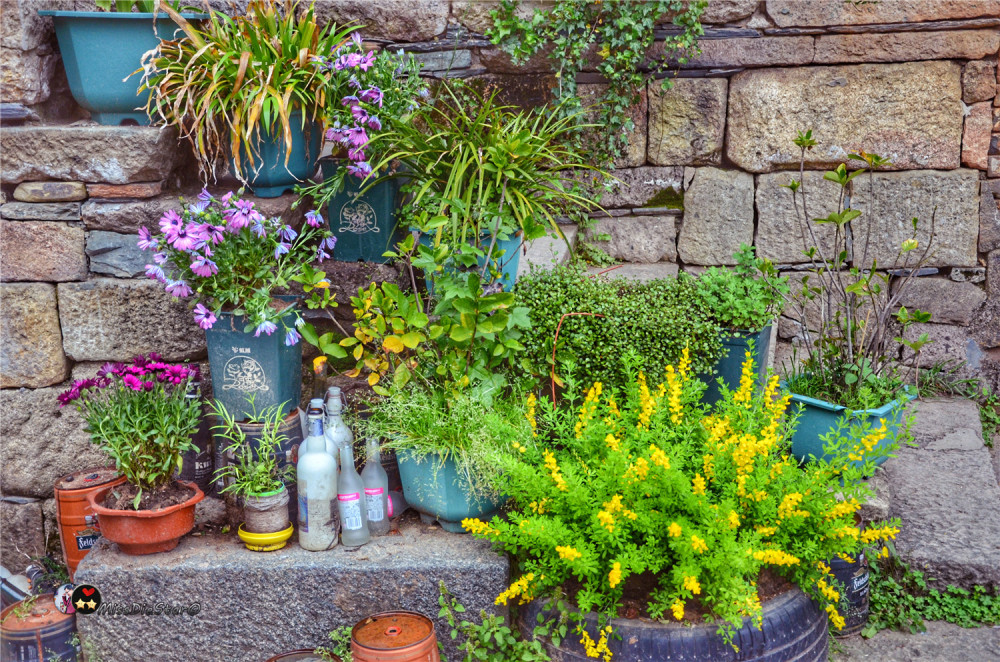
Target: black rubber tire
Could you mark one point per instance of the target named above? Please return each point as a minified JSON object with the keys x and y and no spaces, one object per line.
{"x":794,"y":629}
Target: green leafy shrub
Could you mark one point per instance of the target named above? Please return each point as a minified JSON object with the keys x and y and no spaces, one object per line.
{"x":655,"y":320}
{"x":736,"y":299}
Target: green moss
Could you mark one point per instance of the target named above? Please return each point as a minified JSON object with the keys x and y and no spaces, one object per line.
{"x":669,"y":197}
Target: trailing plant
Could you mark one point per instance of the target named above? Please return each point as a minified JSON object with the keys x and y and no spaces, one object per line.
{"x":139,"y":415}
{"x":253,"y":469}
{"x":620,"y":34}
{"x":340,"y":646}
{"x":654,"y":320}
{"x":900,"y":598}
{"x":718,"y":487}
{"x":233,"y":81}
{"x":490,"y":640}
{"x":854,"y":327}
{"x":476,"y":433}
{"x":737,"y":299}
{"x":226,"y":256}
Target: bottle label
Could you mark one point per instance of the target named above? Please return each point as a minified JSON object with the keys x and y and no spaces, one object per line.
{"x":373,"y":497}
{"x":350,"y":511}
{"x":303,"y":514}
{"x":86,"y":538}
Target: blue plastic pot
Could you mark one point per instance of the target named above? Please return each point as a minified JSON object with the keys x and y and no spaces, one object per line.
{"x":100,"y":49}
{"x":365,"y":225}
{"x":244,"y":365}
{"x":508,"y":263}
{"x":729,"y":367}
{"x":437,"y":492}
{"x":273,"y":177}
{"x":819,"y":417}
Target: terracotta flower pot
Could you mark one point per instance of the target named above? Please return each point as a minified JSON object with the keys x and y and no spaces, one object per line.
{"x":146,"y":531}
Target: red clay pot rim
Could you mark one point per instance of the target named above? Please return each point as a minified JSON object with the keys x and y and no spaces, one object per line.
{"x":94,"y":496}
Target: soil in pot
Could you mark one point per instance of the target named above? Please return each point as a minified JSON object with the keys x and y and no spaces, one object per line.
{"x":122,"y":497}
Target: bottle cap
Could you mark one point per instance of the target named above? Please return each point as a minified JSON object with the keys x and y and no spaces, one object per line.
{"x":315,"y":403}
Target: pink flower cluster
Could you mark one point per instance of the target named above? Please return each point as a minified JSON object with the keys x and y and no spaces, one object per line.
{"x":142,"y":374}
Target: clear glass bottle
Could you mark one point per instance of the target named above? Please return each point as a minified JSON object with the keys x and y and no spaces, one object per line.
{"x":316,"y":472}
{"x":376,"y":490}
{"x":350,"y":503}
{"x":338,"y":433}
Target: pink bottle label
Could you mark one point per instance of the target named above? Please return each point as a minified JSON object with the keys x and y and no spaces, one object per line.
{"x":374,"y":491}
{"x":349,"y":497}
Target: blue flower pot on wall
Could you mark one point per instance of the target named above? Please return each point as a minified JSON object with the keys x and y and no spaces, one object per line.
{"x":365,"y":225}
{"x":273,"y":177}
{"x":729,"y":367}
{"x":100,"y":49}
{"x":507,"y":264}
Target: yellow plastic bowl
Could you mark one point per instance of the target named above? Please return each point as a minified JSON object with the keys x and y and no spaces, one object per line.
{"x":265,"y":542}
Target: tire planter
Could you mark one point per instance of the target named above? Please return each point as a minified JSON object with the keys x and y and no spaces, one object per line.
{"x":140,"y":532}
{"x":818,"y":417}
{"x":508,"y":263}
{"x":794,"y":629}
{"x":730,"y":365}
{"x":365,"y":225}
{"x":436,"y":492}
{"x":100,"y":49}
{"x":245,"y":365}
{"x":77,"y":521}
{"x":274,"y":177}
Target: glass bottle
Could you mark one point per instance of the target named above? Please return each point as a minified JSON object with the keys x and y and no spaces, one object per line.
{"x":338,"y":433}
{"x":376,"y":490}
{"x":353,"y":515}
{"x":316,"y":472}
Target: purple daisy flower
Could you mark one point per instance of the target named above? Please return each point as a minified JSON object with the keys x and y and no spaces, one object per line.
{"x":281,"y":249}
{"x":367,"y":61}
{"x":292,"y":337}
{"x":198,"y":207}
{"x":356,"y":154}
{"x":203,"y":267}
{"x":372,"y":95}
{"x":67,"y":397}
{"x":203,"y":316}
{"x":359,"y":114}
{"x":160,"y":258}
{"x":147,"y":241}
{"x":213,"y":233}
{"x":313,"y":219}
{"x":170,"y":221}
{"x":226,"y":198}
{"x":374,"y":123}
{"x":205,"y":196}
{"x":266,"y":327}
{"x":360,"y":170}
{"x":178,"y":288}
{"x":357,"y":136}
{"x":155,"y":272}
{"x":286,"y":233}
{"x":349,"y":100}
{"x":132,"y":382}
{"x":184,"y":238}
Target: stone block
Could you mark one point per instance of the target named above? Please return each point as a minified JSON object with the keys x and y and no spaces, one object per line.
{"x":116,"y":254}
{"x":754,"y":52}
{"x":635,"y":153}
{"x":136,"y":190}
{"x":726,"y":11}
{"x":906,"y":46}
{"x":23,"y":533}
{"x":993,"y":274}
{"x":475,"y":14}
{"x":644,"y":239}
{"x":971,"y":274}
{"x":41,"y":211}
{"x":106,"y":319}
{"x":976,"y":136}
{"x":989,"y":219}
{"x":782,"y":235}
{"x":993,"y":167}
{"x":31,"y":353}
{"x":718,"y":215}
{"x":109,"y":154}
{"x":451,"y":60}
{"x":548,"y":251}
{"x":642,"y":273}
{"x":687,"y":123}
{"x":910,"y":113}
{"x":396,"y":20}
{"x":821,"y":13}
{"x":948,"y":342}
{"x":345,"y":279}
{"x":946,"y":424}
{"x":41,"y":251}
{"x":948,"y":302}
{"x":901,"y":196}
{"x":50,"y":192}
{"x":516,"y":89}
{"x":498,"y":62}
{"x":25,"y":76}
{"x":638,"y":187}
{"x":979,"y":82}
{"x":317,"y":592}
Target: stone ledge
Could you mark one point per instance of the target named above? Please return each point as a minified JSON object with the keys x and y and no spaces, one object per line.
{"x":255,"y":605}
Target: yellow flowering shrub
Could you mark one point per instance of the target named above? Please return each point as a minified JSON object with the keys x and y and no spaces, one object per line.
{"x":650,"y":481}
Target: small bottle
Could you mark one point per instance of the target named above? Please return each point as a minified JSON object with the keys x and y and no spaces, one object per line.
{"x":317,"y":486}
{"x":338,"y":434}
{"x":319,"y":376}
{"x":353,"y":516}
{"x":376,"y":490}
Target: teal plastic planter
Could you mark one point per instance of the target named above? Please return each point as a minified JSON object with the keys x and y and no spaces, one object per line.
{"x":437,"y":493}
{"x":819,"y":417}
{"x":273,"y":178}
{"x":100,"y":49}
{"x":365,"y":225}
{"x":244,"y":365}
{"x":730,"y":365}
{"x":508,"y":262}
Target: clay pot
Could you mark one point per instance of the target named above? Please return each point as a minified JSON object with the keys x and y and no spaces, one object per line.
{"x":73,"y":511}
{"x":266,"y":513}
{"x":146,"y":531}
{"x":394,"y":636}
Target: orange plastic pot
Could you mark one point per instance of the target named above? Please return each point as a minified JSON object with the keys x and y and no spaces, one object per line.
{"x":76,"y":534}
{"x":394,"y":636}
{"x":139,"y":532}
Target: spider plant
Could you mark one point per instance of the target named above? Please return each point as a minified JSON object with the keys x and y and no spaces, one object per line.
{"x":235,"y":80}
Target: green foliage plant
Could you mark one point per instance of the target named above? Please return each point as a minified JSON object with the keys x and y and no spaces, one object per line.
{"x":139,"y":415}
{"x":142,"y":6}
{"x":654,"y":320}
{"x":253,"y":469}
{"x":476,"y":433}
{"x":737,"y":299}
{"x":234,"y":81}
{"x":340,"y":646}
{"x":621,"y":34}
{"x":855,"y":328}
{"x":646,"y":481}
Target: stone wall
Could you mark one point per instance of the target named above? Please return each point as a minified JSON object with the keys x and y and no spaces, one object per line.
{"x":913,"y":80}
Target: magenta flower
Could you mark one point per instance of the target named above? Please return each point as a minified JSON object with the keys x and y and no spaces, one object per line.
{"x":359,"y":114}
{"x":356,"y":154}
{"x":132,"y":382}
{"x":177,"y":373}
{"x":146,"y":240}
{"x":203,"y":267}
{"x":360,"y":170}
{"x":374,"y":123}
{"x":109,"y":369}
{"x":313,"y":219}
{"x":138,"y":370}
{"x":170,"y":221}
{"x":267,"y":327}
{"x":203,"y":316}
{"x":184,"y":238}
{"x":357,"y":136}
{"x":226,"y":198}
{"x":367,"y":61}
{"x":157,"y":365}
{"x":178,"y":288}
{"x":372,"y":95}
{"x":286,"y":233}
{"x":160,"y":258}
{"x":67,"y":396}
{"x":241,"y":215}
{"x":292,"y":337}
